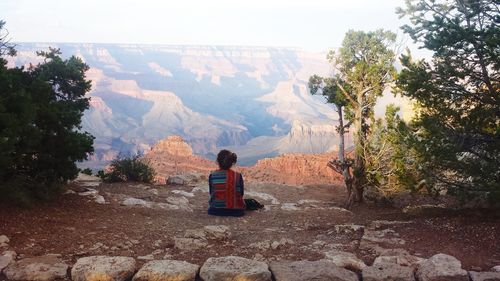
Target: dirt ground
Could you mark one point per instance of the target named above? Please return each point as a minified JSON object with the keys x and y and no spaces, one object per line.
{"x":76,"y":226}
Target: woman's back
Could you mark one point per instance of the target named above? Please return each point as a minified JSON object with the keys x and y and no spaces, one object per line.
{"x":226,"y":188}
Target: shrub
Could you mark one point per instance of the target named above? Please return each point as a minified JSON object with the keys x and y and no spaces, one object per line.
{"x":128,"y":169}
{"x":86,"y":171}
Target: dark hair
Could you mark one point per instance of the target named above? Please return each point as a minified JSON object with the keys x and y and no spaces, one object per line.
{"x":226,"y":159}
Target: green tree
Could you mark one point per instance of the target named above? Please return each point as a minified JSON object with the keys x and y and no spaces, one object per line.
{"x":329,"y":88}
{"x":363,"y":68}
{"x":393,"y":163}
{"x":40,"y":133}
{"x":458,"y":121}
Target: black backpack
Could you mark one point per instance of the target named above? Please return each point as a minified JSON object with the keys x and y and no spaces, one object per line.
{"x":252,"y":204}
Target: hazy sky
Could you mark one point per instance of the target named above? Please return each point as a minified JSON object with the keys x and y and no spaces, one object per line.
{"x":310,"y":24}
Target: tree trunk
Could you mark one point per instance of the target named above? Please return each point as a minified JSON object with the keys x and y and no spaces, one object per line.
{"x":359,"y":171}
{"x":346,"y":174}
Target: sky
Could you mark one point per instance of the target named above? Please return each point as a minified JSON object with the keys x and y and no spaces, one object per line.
{"x":314,"y":25}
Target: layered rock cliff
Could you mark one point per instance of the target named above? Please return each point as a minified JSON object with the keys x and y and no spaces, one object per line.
{"x":174,"y":156}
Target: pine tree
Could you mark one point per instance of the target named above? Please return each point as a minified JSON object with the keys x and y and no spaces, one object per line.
{"x":458,"y":121}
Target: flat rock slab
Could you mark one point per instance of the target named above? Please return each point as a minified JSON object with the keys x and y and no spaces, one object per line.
{"x":42,"y":268}
{"x":167,"y":270}
{"x":233,"y":268}
{"x":484,"y":276}
{"x":103,"y":268}
{"x":189,"y":244}
{"x":441,"y":267}
{"x":388,"y":272}
{"x":321,"y":270}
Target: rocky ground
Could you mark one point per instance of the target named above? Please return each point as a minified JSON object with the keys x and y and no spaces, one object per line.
{"x":299,"y":223}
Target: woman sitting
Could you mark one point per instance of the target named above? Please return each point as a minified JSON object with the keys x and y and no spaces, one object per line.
{"x":226,"y":188}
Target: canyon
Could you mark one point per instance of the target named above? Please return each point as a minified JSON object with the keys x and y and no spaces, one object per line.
{"x":252,"y":100}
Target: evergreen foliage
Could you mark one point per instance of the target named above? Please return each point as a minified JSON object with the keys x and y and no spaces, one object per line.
{"x":124,"y":169}
{"x":364,"y":67}
{"x":40,"y":115}
{"x":457,"y":128}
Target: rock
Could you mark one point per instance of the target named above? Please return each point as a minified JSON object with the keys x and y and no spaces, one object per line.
{"x":217,"y":232}
{"x":167,"y":270}
{"x":385,"y":236}
{"x":183,"y":193}
{"x":348,"y":228}
{"x":345,"y":259}
{"x":263,"y":196}
{"x":195,"y":233}
{"x":282,"y":242}
{"x":233,"y":268}
{"x":484,"y":276}
{"x":99,"y":199}
{"x":403,"y":260}
{"x":89,"y":192}
{"x":42,"y":268}
{"x":185,"y":179}
{"x":424,"y":210}
{"x":96,"y":268}
{"x":4,"y":239}
{"x":189,"y":243}
{"x":263,"y":245}
{"x":6,"y":258}
{"x":441,"y":267}
{"x":321,"y":270}
{"x":136,"y":202}
{"x":387,"y":272}
{"x":496,"y":268}
{"x":149,"y":257}
{"x":290,"y":207}
{"x":177,"y":180}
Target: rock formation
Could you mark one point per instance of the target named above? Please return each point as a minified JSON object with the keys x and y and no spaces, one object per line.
{"x":173,"y":156}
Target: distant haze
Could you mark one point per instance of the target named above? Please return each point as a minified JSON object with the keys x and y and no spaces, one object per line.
{"x":309,"y":24}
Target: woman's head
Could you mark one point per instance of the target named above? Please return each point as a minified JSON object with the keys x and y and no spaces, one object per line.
{"x":226,"y":159}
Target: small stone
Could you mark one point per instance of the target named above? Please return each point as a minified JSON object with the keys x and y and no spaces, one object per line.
{"x":217,"y":232}
{"x":42,"y":268}
{"x":103,"y":268}
{"x":189,"y":243}
{"x":234,"y":268}
{"x":195,"y":233}
{"x":167,"y":270}
{"x":310,"y":271}
{"x":149,"y":257}
{"x":290,"y":207}
{"x":496,"y":268}
{"x":348,"y":228}
{"x":4,"y":239}
{"x":263,"y":245}
{"x":136,"y":202}
{"x":484,"y":276}
{"x":99,"y":199}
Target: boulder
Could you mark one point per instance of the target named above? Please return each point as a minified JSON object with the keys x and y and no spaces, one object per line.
{"x":232,"y":268}
{"x":387,"y":272}
{"x":321,"y":270}
{"x":97,"y":268}
{"x":345,"y":259}
{"x":217,"y":232}
{"x":177,"y":180}
{"x":189,"y":244}
{"x":6,"y":258}
{"x":167,"y":270}
{"x":441,"y":267}
{"x":42,"y":268}
{"x":484,"y":276}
